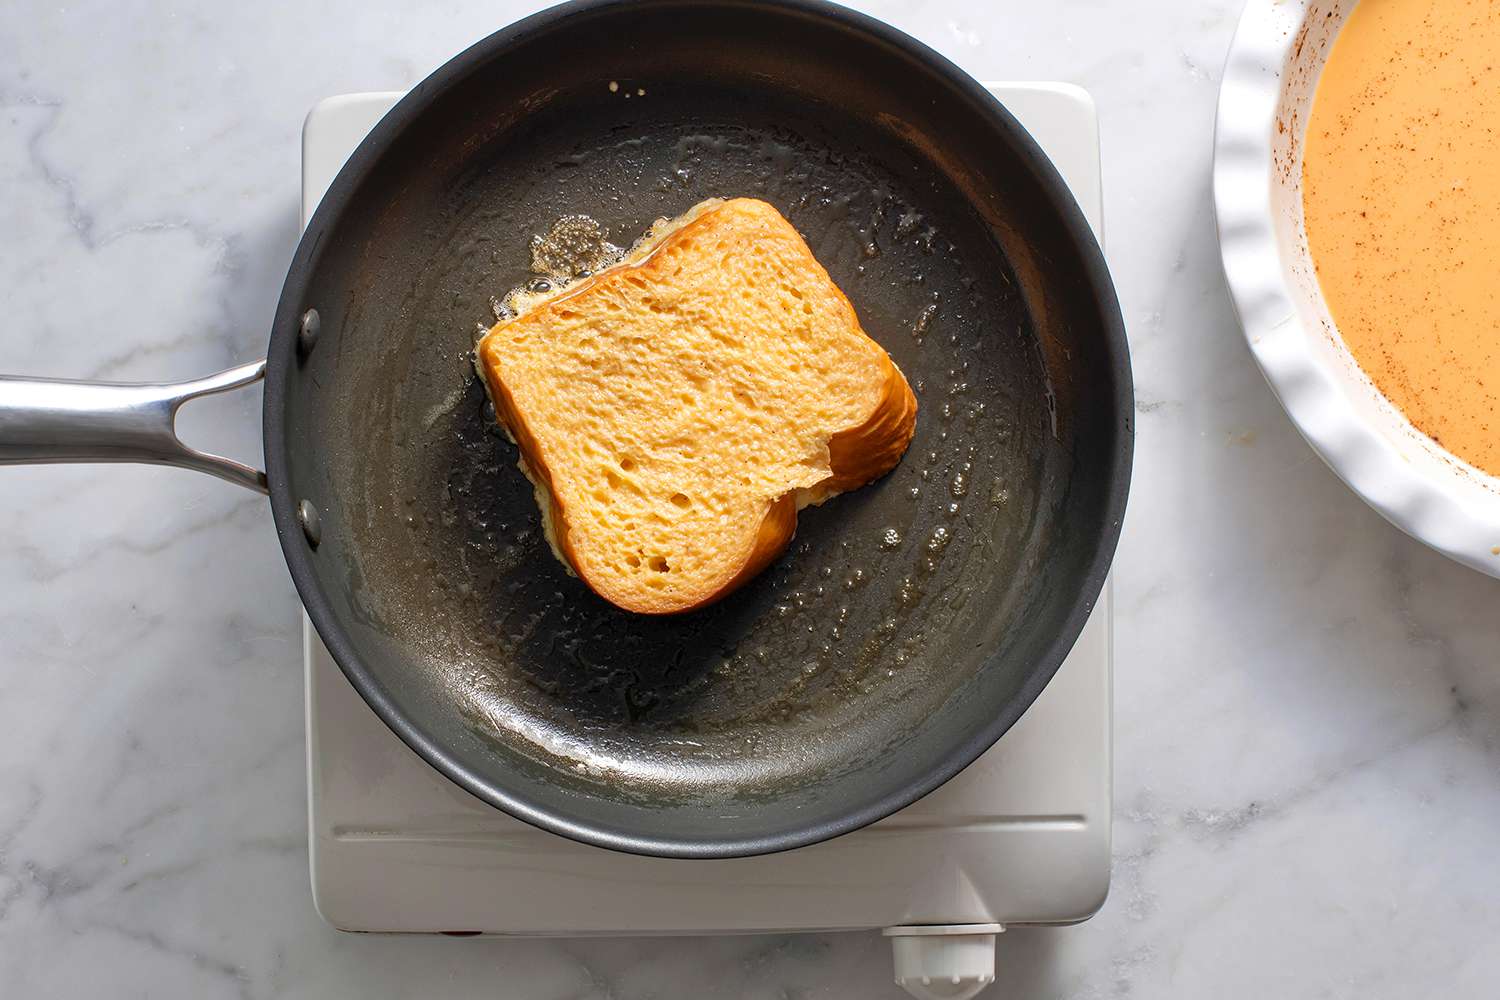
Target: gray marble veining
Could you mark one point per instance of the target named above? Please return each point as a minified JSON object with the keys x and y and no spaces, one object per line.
{"x":1307,"y":702}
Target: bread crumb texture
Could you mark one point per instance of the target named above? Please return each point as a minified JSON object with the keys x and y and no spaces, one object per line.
{"x":676,"y":410}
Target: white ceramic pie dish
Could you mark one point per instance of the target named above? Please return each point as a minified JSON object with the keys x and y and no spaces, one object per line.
{"x":1273,"y":66}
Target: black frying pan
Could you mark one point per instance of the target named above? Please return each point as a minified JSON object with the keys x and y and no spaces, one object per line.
{"x":911,"y":622}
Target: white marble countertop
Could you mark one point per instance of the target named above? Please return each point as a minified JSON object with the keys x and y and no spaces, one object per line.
{"x":1308,"y":702}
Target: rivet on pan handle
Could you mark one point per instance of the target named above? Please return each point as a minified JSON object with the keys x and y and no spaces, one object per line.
{"x":57,"y":420}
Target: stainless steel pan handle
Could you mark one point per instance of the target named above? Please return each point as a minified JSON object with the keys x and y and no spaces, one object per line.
{"x":45,"y":420}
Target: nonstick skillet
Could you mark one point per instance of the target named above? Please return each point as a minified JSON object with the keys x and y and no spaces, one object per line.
{"x":910,"y":623}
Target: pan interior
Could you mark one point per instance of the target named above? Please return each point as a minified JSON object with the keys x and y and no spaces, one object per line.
{"x":905,"y":616}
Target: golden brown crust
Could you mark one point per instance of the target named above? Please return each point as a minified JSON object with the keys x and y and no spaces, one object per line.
{"x":531,"y":462}
{"x":862,"y":454}
{"x":776,"y":530}
{"x":857,"y":454}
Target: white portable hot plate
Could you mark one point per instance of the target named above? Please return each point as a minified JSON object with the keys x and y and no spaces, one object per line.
{"x":1022,"y":836}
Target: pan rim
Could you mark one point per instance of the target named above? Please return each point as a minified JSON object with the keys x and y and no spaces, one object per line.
{"x":282,"y":361}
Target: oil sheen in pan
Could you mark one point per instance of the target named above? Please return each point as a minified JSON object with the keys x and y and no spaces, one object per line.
{"x":795,"y":665}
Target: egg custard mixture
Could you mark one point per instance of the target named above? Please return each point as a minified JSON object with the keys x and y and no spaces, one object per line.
{"x":1401,"y":198}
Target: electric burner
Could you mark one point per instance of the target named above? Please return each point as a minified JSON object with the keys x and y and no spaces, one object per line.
{"x":1022,"y":836}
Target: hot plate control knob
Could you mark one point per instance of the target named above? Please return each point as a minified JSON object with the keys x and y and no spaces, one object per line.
{"x":944,"y":961}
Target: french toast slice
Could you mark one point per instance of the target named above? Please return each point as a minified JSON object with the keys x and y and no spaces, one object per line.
{"x":676,"y":410}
